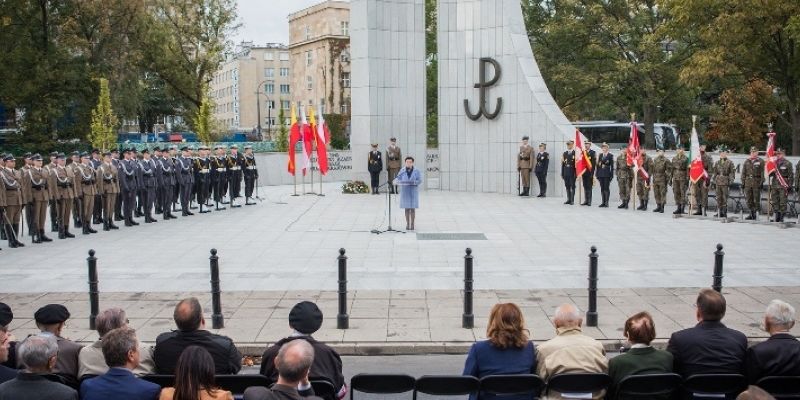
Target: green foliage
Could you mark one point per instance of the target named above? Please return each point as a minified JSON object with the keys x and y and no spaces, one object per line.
{"x":337,"y":123}
{"x":282,"y":141}
{"x":204,"y":124}
{"x":103,"y":135}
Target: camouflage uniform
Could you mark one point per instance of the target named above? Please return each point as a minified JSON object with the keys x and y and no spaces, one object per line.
{"x":752,"y":180}
{"x":642,"y":184}
{"x":778,"y":192}
{"x":623,"y":179}
{"x":724,"y":174}
{"x":680,"y":180}
{"x":701,"y":186}
{"x":662,"y":175}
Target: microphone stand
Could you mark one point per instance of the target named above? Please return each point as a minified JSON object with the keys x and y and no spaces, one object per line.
{"x":389,"y":206}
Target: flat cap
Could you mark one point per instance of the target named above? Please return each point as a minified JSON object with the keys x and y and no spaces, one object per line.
{"x":305,"y":317}
{"x":51,"y":314}
{"x":6,"y":316}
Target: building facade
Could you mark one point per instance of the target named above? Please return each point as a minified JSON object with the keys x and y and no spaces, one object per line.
{"x":319,"y":50}
{"x":253,"y":82}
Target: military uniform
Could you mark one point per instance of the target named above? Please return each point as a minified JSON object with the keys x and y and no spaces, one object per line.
{"x":117,"y":163}
{"x":202,"y":168}
{"x":167,"y":172}
{"x":86,"y":189}
{"x":12,"y":203}
{"x":108,"y":187}
{"x":587,"y":177}
{"x":62,"y":183}
{"x":604,"y":173}
{"x":218,"y":177}
{"x":77,"y":201}
{"x":701,"y":186}
{"x":185,"y":180}
{"x":394,"y":161}
{"x":642,"y":183}
{"x":38,"y":179}
{"x":235,"y":165}
{"x":779,"y":192}
{"x":374,"y":166}
{"x":568,"y":174}
{"x":27,"y":199}
{"x":53,"y":206}
{"x":149,"y":178}
{"x":752,"y":180}
{"x":724,"y":174}
{"x":97,"y":214}
{"x":662,"y":175}
{"x":128,"y":185}
{"x":524,"y":166}
{"x":250,"y":177}
{"x":542,"y":164}
{"x":624,"y":179}
{"x":680,"y":181}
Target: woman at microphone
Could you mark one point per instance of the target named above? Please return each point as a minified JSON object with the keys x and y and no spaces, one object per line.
{"x":409,"y":179}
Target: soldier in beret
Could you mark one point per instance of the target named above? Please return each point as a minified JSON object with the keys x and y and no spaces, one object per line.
{"x":51,"y":319}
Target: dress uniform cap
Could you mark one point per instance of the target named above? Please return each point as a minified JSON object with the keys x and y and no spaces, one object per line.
{"x":146,"y":151}
{"x":107,"y":154}
{"x":723,"y":149}
{"x":780,"y":150}
{"x":76,"y":153}
{"x":393,"y":139}
{"x":6,"y":316}
{"x":374,"y":145}
{"x":248,"y":147}
{"x":570,"y":142}
{"x":61,"y":156}
{"x":53,"y":154}
{"x":95,"y":151}
{"x":753,"y":148}
{"x":28,"y":155}
{"x":173,"y":147}
{"x":604,"y":145}
{"x":525,"y":138}
{"x":85,"y":155}
{"x":233,"y":146}
{"x":8,"y":157}
{"x":185,"y":148}
{"x":157,"y":148}
{"x":51,"y":314}
{"x":115,"y":151}
{"x":36,"y":157}
{"x":305,"y":317}
{"x":543,"y":144}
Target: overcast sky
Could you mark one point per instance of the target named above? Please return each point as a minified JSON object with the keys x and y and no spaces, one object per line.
{"x":265,"y":21}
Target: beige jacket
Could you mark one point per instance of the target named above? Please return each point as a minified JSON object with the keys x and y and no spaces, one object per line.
{"x":569,"y":352}
{"x":92,"y":362}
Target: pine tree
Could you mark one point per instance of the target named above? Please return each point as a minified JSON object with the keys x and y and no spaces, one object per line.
{"x":204,"y":124}
{"x":282,"y":141}
{"x":104,"y":122}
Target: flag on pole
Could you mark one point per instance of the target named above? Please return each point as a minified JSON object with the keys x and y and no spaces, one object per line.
{"x":294,"y":137}
{"x":305,"y":132}
{"x":323,"y":137}
{"x":634,"y":156}
{"x":771,"y":166}
{"x":581,"y":162}
{"x":696,"y":169}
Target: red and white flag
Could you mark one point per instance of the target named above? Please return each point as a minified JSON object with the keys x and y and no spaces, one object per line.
{"x":634,"y":156}
{"x":308,"y":140}
{"x":294,"y":137}
{"x":323,"y":137}
{"x":696,"y":169}
{"x":771,"y":166}
{"x":582,"y":164}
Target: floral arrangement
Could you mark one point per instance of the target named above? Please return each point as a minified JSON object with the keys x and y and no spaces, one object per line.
{"x":355,"y":187}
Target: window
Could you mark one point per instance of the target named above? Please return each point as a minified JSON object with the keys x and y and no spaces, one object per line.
{"x":345,"y":57}
{"x":322,"y":106}
{"x":309,"y":83}
{"x":345,"y":28}
{"x":269,"y":56}
{"x":285,"y":89}
{"x":344,"y":109}
{"x":269,"y":72}
{"x":286,"y":104}
{"x":269,"y":88}
{"x":271,"y":104}
{"x":284,"y":71}
{"x":308,"y":57}
{"x":345,"y":79}
{"x":308,"y":32}
{"x":284,"y":56}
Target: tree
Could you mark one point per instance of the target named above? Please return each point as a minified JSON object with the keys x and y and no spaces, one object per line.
{"x":104,"y":122}
{"x":744,"y":115}
{"x":204,"y":124}
{"x":431,"y":74}
{"x":282,"y":141}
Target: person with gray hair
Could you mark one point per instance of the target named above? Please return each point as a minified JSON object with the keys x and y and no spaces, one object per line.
{"x":570,"y":351}
{"x":780,"y":354}
{"x":39,"y":354}
{"x":91,"y":361}
{"x":293,"y":363}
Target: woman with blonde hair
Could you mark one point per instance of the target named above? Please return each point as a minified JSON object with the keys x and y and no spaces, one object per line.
{"x":507,"y":349}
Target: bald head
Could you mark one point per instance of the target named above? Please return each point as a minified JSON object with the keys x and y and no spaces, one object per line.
{"x":294,"y":361}
{"x":567,"y":316}
{"x":188,"y":315}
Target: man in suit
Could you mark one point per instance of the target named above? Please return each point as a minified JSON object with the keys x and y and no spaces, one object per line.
{"x":91,"y":359}
{"x":568,"y":173}
{"x":524,"y":164}
{"x":38,"y":353}
{"x":641,"y":358}
{"x":588,"y":176}
{"x":605,"y":172}
{"x":780,"y":354}
{"x":51,"y":320}
{"x":374,"y":166}
{"x":121,"y":352}
{"x":709,"y":347}
{"x":293,"y":363}
{"x":394,"y":161}
{"x":542,"y":163}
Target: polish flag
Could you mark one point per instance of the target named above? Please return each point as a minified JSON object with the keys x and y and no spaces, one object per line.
{"x":581,"y":162}
{"x":634,"y":156}
{"x":696,"y":169}
{"x":771,"y":165}
{"x":294,"y":137}
{"x":323,"y":138}
{"x":308,"y":140}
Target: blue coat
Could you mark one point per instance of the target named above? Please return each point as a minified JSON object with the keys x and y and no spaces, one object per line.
{"x":409,"y":187}
{"x":119,"y":384}
{"x":484,"y":359}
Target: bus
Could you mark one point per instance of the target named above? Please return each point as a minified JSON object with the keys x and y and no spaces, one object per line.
{"x":616,"y":134}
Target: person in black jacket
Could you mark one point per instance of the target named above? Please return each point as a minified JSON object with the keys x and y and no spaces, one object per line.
{"x":780,"y":354}
{"x":605,"y":172}
{"x":542,"y":163}
{"x":188,"y":317}
{"x":305,"y":318}
{"x":38,"y":353}
{"x":709,"y":347}
{"x":293,"y":362}
{"x":374,"y":166}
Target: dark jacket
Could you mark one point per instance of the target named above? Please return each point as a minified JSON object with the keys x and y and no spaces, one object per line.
{"x":605,"y":166}
{"x":34,"y":386}
{"x":485,"y":359}
{"x":119,"y":384}
{"x":7,"y":374}
{"x":542,"y":162}
{"x":708,"y":348}
{"x":777,"y":356}
{"x":637,"y":361}
{"x":170,"y":345}
{"x":327,"y":363}
{"x":278,"y":392}
{"x":375,"y":162}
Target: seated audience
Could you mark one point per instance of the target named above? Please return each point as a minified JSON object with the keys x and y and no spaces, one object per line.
{"x":709,"y":347}
{"x":641,"y":358}
{"x":194,"y":378}
{"x":570,"y":351}
{"x":780,"y":354}
{"x":191,"y":331}
{"x":10,"y":362}
{"x":39,"y":354}
{"x":51,"y":320}
{"x":293,"y":362}
{"x":305,"y":318}
{"x":121,"y":354}
{"x":506,"y":351}
{"x":6,"y":373}
{"x":754,"y":393}
{"x":91,"y":359}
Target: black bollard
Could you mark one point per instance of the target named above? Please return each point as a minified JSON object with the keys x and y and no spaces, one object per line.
{"x":468,"y":319}
{"x":217,"y":320}
{"x":591,"y":314}
{"x":94,"y":293}
{"x":718,"y":255}
{"x":342,"y":319}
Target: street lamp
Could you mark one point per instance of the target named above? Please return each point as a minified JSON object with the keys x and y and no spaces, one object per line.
{"x":269,"y":111}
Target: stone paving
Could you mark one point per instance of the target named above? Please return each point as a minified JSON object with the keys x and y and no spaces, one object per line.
{"x":404,"y":321}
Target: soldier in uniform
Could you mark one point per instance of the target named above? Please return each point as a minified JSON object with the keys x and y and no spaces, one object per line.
{"x":542,"y":164}
{"x":148,"y":176}
{"x":38,"y":179}
{"x":13,"y":200}
{"x":184,"y":179}
{"x":374,"y":166}
{"x":642,"y":183}
{"x":97,"y":214}
{"x":724,"y":174}
{"x":587,"y":177}
{"x":218,"y":176}
{"x":394,"y":157}
{"x":116,"y":161}
{"x":250,"y":174}
{"x":157,"y":155}
{"x":27,"y":198}
{"x":175,"y":198}
{"x":86,"y":188}
{"x":680,"y":180}
{"x":235,"y":164}
{"x":202,"y":168}
{"x":62,"y":184}
{"x":167,"y":171}
{"x":568,"y":172}
{"x":604,"y":173}
{"x":53,"y":207}
{"x":108,"y":187}
{"x":524,"y":166}
{"x":624,"y":178}
{"x":662,"y":177}
{"x":128,"y":186}
{"x":780,"y":182}
{"x":752,"y":181}
{"x":75,"y":160}
{"x":701,"y":186}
